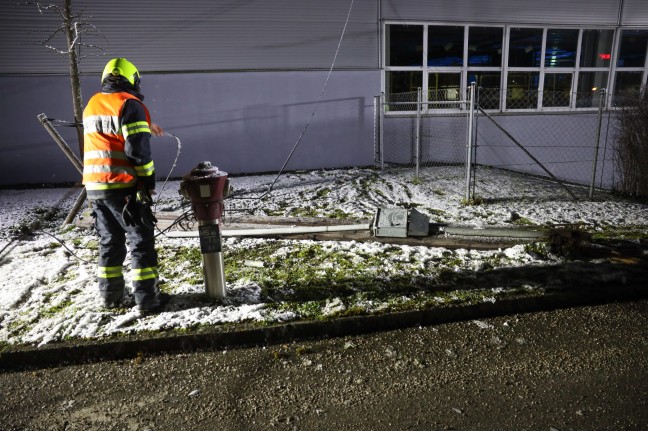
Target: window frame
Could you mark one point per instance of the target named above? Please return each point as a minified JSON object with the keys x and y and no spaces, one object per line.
{"x":614,"y":66}
{"x":464,"y":70}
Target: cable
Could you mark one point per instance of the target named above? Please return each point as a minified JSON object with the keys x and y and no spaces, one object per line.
{"x":172,"y":167}
{"x":60,"y":241}
{"x":184,"y":215}
{"x":187,"y":218}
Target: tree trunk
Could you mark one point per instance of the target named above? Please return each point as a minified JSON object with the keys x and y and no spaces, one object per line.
{"x":75,"y":81}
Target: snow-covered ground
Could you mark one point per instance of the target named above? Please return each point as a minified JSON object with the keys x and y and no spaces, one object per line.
{"x":48,"y":291}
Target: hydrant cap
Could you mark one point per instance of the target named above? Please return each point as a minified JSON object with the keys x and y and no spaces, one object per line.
{"x":204,"y":170}
{"x":204,"y":165}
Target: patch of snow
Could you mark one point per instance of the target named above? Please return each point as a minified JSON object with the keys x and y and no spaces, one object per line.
{"x":46,"y":294}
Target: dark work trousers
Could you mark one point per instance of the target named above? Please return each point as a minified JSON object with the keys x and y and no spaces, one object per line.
{"x":112,"y":252}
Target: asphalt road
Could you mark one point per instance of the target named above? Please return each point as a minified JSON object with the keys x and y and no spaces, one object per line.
{"x":574,"y":369}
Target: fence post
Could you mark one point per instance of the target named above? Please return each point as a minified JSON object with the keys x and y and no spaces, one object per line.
{"x":598,"y":139}
{"x":417,"y":135}
{"x":381,"y":130}
{"x":376,"y":119}
{"x":469,"y":141}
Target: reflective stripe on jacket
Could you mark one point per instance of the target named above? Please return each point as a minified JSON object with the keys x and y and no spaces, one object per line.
{"x":106,"y":165}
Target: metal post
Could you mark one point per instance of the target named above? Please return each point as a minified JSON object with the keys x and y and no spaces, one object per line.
{"x":213,"y":262}
{"x":376,"y":101}
{"x":598,"y":138}
{"x":417,"y":133}
{"x":469,"y":141}
{"x":381,"y":129}
{"x":78,"y":164}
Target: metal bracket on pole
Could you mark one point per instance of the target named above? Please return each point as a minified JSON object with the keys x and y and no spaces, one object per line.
{"x":73,"y":158}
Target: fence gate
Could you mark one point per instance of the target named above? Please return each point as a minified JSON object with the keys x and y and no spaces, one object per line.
{"x":418,"y":129}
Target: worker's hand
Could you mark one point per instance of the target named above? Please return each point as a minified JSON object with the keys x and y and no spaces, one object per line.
{"x":156,"y":130}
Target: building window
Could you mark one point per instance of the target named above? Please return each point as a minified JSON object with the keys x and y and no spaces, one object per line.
{"x":590,"y":84}
{"x":525,"y":47}
{"x":443,"y":88}
{"x":632,"y":50}
{"x":561,"y":48}
{"x":489,"y":83}
{"x":631,"y":66}
{"x":485,"y":46}
{"x":557,"y":90}
{"x":405,"y":44}
{"x":626,"y":85}
{"x":403,"y":82}
{"x":445,"y":46}
{"x":516,"y":67}
{"x":596,"y":48}
{"x":522,"y":90}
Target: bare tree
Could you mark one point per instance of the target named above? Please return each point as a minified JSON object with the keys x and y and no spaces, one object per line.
{"x":631,"y":153}
{"x":73,"y":27}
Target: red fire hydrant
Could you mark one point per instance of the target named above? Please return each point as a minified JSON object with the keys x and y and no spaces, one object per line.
{"x":206,"y":187}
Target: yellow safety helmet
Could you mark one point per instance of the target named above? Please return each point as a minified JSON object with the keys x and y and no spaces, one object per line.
{"x":121,"y":67}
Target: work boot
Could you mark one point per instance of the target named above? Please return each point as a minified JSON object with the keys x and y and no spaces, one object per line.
{"x":124,"y":301}
{"x":158,"y":303}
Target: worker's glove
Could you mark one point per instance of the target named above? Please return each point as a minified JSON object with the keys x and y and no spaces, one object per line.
{"x":143,"y":196}
{"x":137,"y":211}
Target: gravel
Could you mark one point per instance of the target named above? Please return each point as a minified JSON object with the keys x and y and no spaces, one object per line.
{"x":573,"y":369}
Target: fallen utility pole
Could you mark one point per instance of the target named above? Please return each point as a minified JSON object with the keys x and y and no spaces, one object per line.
{"x":464,"y":237}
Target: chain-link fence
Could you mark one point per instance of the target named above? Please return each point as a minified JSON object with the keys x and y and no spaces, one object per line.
{"x":413,"y":132}
{"x":531,"y":133}
{"x":571,"y":148}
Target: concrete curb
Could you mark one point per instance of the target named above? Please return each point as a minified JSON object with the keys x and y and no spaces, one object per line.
{"x":61,"y":354}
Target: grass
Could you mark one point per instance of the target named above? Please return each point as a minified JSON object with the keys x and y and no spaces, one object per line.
{"x":302,"y":277}
{"x":56,"y":309}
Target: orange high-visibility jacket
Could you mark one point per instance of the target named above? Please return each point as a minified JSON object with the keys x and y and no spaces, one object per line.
{"x":106,"y":166}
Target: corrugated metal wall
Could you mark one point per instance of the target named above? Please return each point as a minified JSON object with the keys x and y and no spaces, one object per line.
{"x":635,"y":12}
{"x":195,"y":51}
{"x":199,"y":35}
{"x":599,"y":12}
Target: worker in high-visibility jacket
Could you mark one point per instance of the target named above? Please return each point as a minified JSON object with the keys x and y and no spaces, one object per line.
{"x":119,"y":176}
